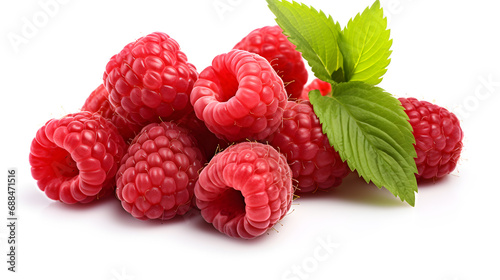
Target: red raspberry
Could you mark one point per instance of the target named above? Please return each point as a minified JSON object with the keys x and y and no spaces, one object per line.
{"x":98,"y":102}
{"x":208,"y":142}
{"x":245,"y":190}
{"x":75,"y":158}
{"x":157,"y":174}
{"x":438,"y":138}
{"x":314,"y":162}
{"x":324,"y":88}
{"x":270,"y":43}
{"x":150,"y":80}
{"x":239,"y":97}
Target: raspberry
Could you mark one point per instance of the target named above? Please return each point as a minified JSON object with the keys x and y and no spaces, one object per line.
{"x":75,"y":158}
{"x":207,"y":141}
{"x":245,"y":189}
{"x":150,"y":80}
{"x":438,"y":138}
{"x":323,"y":87}
{"x":157,"y":174}
{"x":98,"y":102}
{"x":270,"y":43}
{"x":239,"y":97}
{"x":314,"y":162}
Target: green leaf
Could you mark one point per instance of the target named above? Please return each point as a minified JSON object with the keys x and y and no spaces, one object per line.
{"x":365,"y":44}
{"x":370,"y":130}
{"x":315,"y":35}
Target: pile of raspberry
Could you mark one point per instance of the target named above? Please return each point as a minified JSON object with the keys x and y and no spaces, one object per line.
{"x":237,"y":141}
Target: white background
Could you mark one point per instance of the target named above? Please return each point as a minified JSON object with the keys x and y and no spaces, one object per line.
{"x":443,"y":51}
